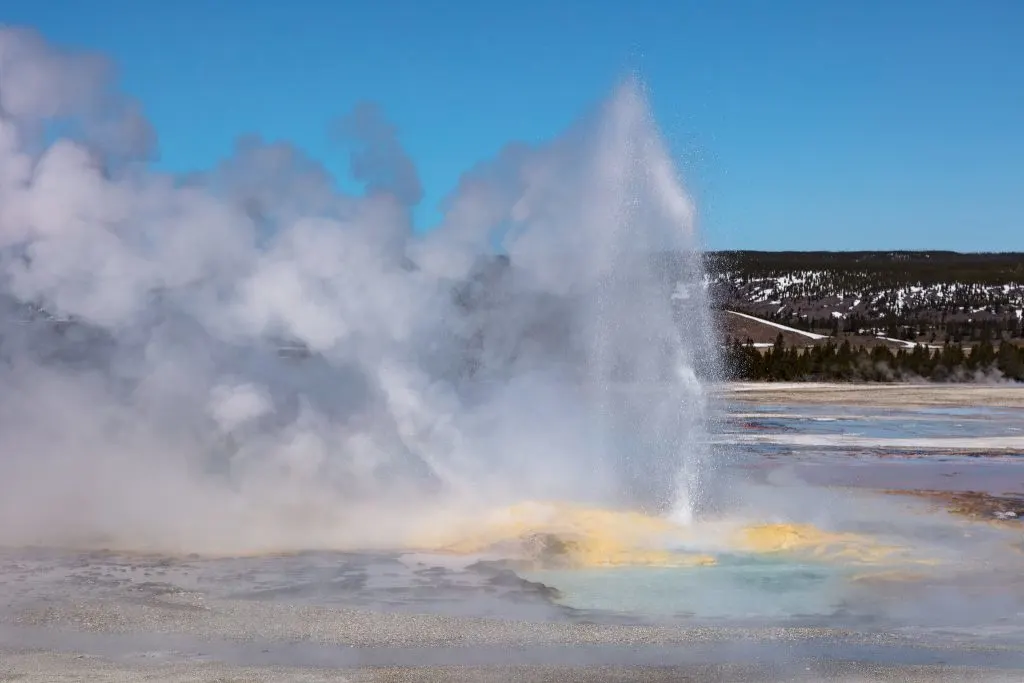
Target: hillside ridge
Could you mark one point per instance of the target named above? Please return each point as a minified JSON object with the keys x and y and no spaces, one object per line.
{"x":917,"y":296}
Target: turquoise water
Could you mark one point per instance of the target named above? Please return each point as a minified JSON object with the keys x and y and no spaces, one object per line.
{"x":737,"y":587}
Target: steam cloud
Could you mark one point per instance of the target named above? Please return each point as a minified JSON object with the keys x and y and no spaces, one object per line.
{"x":246,"y":359}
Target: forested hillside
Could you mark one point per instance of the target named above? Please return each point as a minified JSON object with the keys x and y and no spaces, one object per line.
{"x":928,"y":297}
{"x":843,"y":361}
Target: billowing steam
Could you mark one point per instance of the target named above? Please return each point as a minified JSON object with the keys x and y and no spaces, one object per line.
{"x":247,"y":359}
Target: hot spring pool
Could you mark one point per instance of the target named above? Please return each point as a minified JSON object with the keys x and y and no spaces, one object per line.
{"x":738,"y":587}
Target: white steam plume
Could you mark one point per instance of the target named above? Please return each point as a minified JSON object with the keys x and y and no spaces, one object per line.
{"x":247,"y":359}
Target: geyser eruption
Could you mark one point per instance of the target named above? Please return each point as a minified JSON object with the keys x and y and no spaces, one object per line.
{"x":247,"y":359}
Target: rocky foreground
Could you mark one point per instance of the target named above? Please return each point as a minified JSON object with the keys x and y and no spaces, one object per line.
{"x":145,"y":632}
{"x":42,"y":666}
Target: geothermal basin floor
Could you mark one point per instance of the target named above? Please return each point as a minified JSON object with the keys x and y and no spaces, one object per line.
{"x":400,"y":616}
{"x":185,"y":640}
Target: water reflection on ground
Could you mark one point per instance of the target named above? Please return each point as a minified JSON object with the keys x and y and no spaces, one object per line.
{"x":955,"y":449}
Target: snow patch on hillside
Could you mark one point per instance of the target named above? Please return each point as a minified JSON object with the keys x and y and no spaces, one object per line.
{"x":786,"y":328}
{"x":865,"y":294}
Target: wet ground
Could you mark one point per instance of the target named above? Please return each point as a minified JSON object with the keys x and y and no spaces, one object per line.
{"x":960,"y":449}
{"x":955,"y":480}
{"x":944,"y":484}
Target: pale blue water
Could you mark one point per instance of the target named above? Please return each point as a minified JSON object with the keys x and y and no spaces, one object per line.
{"x":737,"y":588}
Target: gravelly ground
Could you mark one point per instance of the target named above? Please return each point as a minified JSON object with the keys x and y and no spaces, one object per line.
{"x":183,"y":637}
{"x":32,"y":667}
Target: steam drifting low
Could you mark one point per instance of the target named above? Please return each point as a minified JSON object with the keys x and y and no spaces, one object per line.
{"x":246,"y":359}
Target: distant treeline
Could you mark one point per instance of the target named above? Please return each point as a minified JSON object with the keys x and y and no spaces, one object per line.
{"x":844,"y":362}
{"x":888,"y":268}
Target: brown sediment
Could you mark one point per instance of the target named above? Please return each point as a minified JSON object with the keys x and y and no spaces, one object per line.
{"x":813,"y":542}
{"x":888,"y":577}
{"x":877,"y":394}
{"x":535,"y":535}
{"x":540,"y":535}
{"x":972,"y":504}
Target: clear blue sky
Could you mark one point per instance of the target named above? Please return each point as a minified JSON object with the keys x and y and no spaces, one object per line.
{"x":859,"y":124}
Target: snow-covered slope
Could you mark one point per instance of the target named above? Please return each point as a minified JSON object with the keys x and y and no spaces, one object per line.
{"x":864,"y":303}
{"x":866,"y":294}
